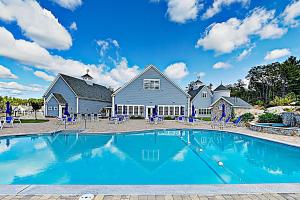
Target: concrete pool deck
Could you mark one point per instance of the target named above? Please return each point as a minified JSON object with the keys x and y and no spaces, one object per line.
{"x":138,"y":125}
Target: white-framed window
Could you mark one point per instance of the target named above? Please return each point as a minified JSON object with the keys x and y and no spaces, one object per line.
{"x":160,"y":110}
{"x":177,"y":110}
{"x":204,"y":94}
{"x":49,"y":107}
{"x":120,"y":110}
{"x":142,"y":110}
{"x":130,"y":110}
{"x":166,"y":111}
{"x":136,"y":110}
{"x":151,"y":84}
{"x":55,"y":108}
{"x":204,"y":111}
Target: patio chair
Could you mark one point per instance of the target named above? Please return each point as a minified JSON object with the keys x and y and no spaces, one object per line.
{"x":151,"y":120}
{"x":225,"y":124}
{"x":9,"y":120}
{"x":237,"y":122}
{"x":160,"y":119}
{"x":180,"y":119}
{"x":1,"y":125}
{"x":191,"y":121}
{"x":113,"y":120}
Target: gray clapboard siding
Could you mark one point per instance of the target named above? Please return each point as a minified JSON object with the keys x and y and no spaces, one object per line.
{"x":52,"y":103}
{"x":91,"y":106}
{"x":134,"y":93}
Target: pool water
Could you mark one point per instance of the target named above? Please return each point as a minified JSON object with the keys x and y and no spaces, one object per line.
{"x":272,"y":124}
{"x":151,"y":157}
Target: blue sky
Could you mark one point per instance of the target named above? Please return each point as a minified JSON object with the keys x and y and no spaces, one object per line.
{"x":115,"y":39}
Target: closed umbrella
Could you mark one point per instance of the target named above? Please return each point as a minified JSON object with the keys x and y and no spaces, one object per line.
{"x":193,"y":111}
{"x":67,"y":110}
{"x":223,"y":110}
{"x":7,"y":111}
{"x":116,"y":109}
{"x":155,"y":110}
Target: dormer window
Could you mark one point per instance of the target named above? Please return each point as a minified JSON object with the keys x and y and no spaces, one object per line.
{"x":204,"y":94}
{"x":151,"y":84}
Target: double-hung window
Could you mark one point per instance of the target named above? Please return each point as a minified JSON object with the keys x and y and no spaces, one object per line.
{"x":151,"y":84}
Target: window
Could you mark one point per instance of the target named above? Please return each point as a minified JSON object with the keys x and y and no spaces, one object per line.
{"x":50,"y":108}
{"x":120,"y":110}
{"x":160,"y":110}
{"x":151,"y":84}
{"x":125,"y":110}
{"x":204,"y":94}
{"x":142,"y":112}
{"x":204,"y":111}
{"x":130,"y":110}
{"x":171,"y":111}
{"x":55,"y":108}
{"x":136,"y":110}
{"x":176,"y":111}
{"x":166,"y":112}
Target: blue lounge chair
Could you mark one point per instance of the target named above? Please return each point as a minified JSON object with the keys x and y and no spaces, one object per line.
{"x":9,"y":120}
{"x":191,"y":121}
{"x":160,"y":119}
{"x":180,"y":119}
{"x":151,"y":120}
{"x":237,"y":122}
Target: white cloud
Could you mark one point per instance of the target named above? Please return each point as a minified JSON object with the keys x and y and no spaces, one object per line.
{"x":277,"y":53}
{"x":218,"y":4}
{"x":292,"y":13}
{"x":245,"y":53}
{"x":107,"y":44}
{"x":272,"y":31}
{"x":6,"y":73}
{"x":37,"y":23}
{"x":181,"y":11}
{"x":201,"y":74}
{"x":44,"y":76}
{"x":221,"y":65}
{"x":227,"y":36}
{"x":73,"y":26}
{"x":19,"y":87}
{"x":30,"y":53}
{"x":69,"y":4}
{"x":177,"y":71}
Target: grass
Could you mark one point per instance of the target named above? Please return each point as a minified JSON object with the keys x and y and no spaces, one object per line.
{"x":27,"y":121}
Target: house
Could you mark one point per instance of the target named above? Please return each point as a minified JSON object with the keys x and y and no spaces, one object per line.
{"x":82,"y":95}
{"x":209,"y":103}
{"x":149,"y":89}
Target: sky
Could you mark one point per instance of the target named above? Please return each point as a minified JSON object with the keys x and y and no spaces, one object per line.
{"x":216,"y":40}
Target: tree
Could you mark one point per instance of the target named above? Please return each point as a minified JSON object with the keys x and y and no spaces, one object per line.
{"x":36,"y":106}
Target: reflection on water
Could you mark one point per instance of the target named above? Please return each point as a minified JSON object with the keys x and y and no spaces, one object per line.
{"x":152,"y":157}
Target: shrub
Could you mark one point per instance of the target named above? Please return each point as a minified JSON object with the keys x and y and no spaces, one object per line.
{"x":207,"y":119}
{"x":259,"y":103}
{"x":284,"y":101}
{"x":269,"y":118}
{"x":169,"y":118}
{"x":247,"y":117}
{"x":137,"y":117}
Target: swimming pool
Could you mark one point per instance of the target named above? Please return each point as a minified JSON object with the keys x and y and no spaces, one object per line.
{"x":148,"y":157}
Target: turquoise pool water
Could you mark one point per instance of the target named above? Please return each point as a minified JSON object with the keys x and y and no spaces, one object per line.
{"x":152,"y":157}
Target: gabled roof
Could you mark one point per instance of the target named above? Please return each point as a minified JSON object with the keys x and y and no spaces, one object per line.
{"x":193,"y":93}
{"x":143,"y":72}
{"x":87,"y":76}
{"x":235,"y":102}
{"x":221,"y":87}
{"x":60,"y":99}
{"x":83,"y":90}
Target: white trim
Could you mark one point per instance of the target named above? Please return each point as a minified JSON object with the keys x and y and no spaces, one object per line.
{"x":53,"y":83}
{"x":148,"y":68}
{"x":219,"y":100}
{"x":77,"y":105}
{"x":50,"y":97}
{"x":45,"y":107}
{"x":211,"y":95}
{"x":113,"y":106}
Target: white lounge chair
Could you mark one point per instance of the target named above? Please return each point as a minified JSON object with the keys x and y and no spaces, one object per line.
{"x":9,"y":120}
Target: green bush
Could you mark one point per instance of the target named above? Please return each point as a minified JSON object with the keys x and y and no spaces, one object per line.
{"x":207,"y":119}
{"x":269,"y":118}
{"x":247,"y":117}
{"x":259,"y":103}
{"x":284,"y":101}
{"x":137,"y":117}
{"x":169,"y":118}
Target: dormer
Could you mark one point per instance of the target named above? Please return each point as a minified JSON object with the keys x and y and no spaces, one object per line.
{"x":87,"y":78}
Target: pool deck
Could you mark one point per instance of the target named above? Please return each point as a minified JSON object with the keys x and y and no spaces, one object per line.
{"x":245,"y":191}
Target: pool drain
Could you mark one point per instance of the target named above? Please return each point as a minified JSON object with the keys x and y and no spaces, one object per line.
{"x":87,"y":197}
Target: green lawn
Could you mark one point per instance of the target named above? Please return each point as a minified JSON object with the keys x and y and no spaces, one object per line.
{"x":26,"y":121}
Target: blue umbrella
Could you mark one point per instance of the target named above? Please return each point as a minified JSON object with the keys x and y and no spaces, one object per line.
{"x":223,"y":110}
{"x":116,"y":109}
{"x":193,"y":111}
{"x":155,"y":110}
{"x":67,"y":110}
{"x":124,"y":110}
{"x":182,"y":110}
{"x":7,"y":111}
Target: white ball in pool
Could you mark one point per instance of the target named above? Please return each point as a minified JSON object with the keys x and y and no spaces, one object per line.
{"x":220,"y":163}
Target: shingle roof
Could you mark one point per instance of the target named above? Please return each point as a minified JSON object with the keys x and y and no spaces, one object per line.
{"x":84,"y":90}
{"x":87,"y":76}
{"x":61,"y":100}
{"x":193,"y":93}
{"x":221,"y":87}
{"x":237,"y":102}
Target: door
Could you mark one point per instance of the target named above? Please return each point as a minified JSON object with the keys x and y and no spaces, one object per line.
{"x":149,"y":111}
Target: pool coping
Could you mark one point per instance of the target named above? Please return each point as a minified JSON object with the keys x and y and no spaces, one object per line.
{"x":214,"y":189}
